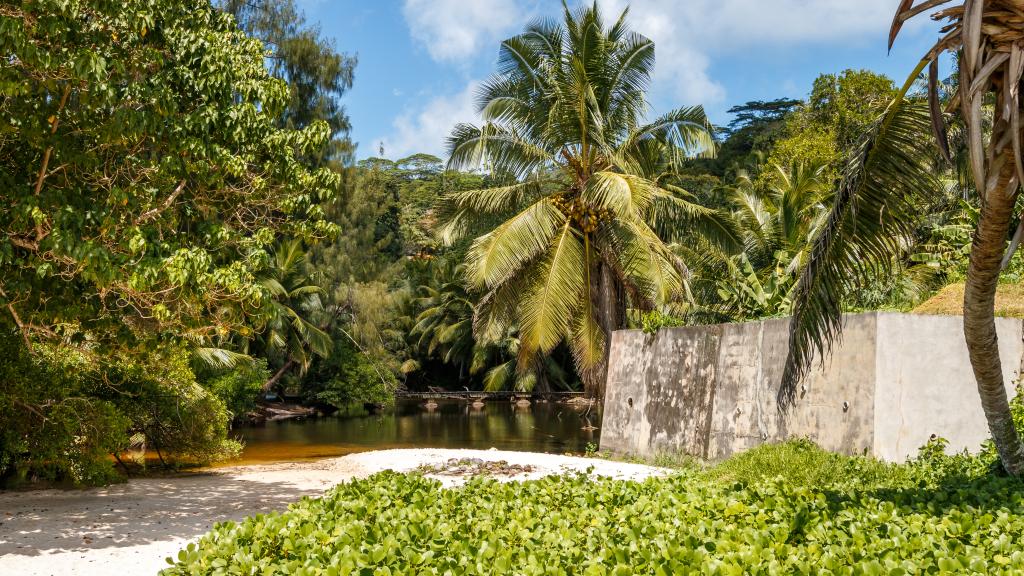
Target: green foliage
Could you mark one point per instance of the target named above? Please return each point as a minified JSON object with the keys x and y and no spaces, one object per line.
{"x":144,"y":169}
{"x":317,"y":74}
{"x":839,"y":109}
{"x":91,"y":406}
{"x":62,"y":431}
{"x":818,"y":523}
{"x":803,"y":464}
{"x":749,"y":294}
{"x":348,"y":376}
{"x":651,"y":322}
{"x":237,"y":387}
{"x":158,"y":393}
{"x":292,"y":333}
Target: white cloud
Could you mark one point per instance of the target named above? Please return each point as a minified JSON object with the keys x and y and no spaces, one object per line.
{"x":688,"y":34}
{"x":457,"y":30}
{"x":425,"y":129}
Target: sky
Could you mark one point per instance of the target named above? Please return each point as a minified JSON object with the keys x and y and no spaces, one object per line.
{"x":420,"y":61}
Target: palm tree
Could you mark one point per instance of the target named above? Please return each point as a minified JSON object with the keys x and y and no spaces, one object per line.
{"x":780,"y":221}
{"x":290,"y":334}
{"x":587,"y":214}
{"x":888,"y":186}
{"x":444,"y":325}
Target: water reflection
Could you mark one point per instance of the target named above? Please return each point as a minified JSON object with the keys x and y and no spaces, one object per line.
{"x":538,"y":427}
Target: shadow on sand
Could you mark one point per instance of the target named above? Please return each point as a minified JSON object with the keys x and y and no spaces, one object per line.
{"x":139,"y":512}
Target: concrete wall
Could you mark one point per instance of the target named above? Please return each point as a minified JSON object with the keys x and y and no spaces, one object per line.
{"x":709,"y":391}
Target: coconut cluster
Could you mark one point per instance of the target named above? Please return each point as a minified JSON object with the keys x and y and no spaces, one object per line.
{"x":586,"y":217}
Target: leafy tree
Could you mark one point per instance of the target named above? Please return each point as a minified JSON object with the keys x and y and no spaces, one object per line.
{"x":581,"y":240}
{"x":144,"y":171}
{"x":317,"y":74}
{"x":760,"y":114}
{"x":838,"y":110}
{"x":889,"y":185}
{"x":755,"y":127}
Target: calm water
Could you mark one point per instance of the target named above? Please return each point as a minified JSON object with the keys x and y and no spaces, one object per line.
{"x":541,"y":427}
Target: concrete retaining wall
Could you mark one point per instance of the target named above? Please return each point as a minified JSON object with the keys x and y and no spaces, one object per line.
{"x":892,"y":382}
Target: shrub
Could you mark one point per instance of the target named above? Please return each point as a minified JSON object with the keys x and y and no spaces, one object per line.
{"x":349,"y":377}
{"x":58,"y":431}
{"x":66,"y":410}
{"x":803,"y":464}
{"x":184,"y":422}
{"x":407,"y":524}
{"x":238,"y":387}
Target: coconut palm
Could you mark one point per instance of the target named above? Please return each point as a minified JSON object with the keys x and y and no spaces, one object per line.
{"x":888,"y":186}
{"x":444,"y":325}
{"x":779,"y":222}
{"x":591,"y":205}
{"x":290,"y":334}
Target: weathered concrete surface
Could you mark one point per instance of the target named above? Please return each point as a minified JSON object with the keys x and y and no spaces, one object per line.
{"x":710,"y":391}
{"x":925,"y":385}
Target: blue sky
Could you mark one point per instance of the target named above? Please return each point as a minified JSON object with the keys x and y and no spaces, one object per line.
{"x":420,"y":60}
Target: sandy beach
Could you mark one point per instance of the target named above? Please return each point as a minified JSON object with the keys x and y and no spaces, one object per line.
{"x":130,"y":528}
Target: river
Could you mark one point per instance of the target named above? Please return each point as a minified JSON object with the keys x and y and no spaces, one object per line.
{"x":541,"y":427}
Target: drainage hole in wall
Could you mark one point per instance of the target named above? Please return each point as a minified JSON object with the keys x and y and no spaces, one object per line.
{"x":630,"y":402}
{"x":846,"y":406}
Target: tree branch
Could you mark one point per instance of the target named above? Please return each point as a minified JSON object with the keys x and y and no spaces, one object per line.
{"x":46,"y":155}
{"x":153,"y":212}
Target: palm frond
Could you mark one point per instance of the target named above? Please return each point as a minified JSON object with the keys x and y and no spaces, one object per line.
{"x":547,"y":311}
{"x":220,"y":357}
{"x":886,"y":189}
{"x":497,"y":255}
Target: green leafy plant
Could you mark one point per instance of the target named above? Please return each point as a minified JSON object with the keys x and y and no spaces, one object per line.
{"x":688,"y":523}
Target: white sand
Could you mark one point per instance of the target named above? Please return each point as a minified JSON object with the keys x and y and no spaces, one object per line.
{"x":130,"y":528}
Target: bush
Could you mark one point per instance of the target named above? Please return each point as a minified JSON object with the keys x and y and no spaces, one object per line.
{"x":803,"y":464}
{"x":54,"y":425}
{"x":407,"y":524}
{"x":238,"y":387}
{"x":348,"y":377}
{"x":184,"y":422}
{"x":66,"y":411}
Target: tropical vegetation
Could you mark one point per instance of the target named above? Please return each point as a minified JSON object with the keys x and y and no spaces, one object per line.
{"x":592,"y":205}
{"x":177,"y":252}
{"x":889,"y":185}
{"x":790,"y":508}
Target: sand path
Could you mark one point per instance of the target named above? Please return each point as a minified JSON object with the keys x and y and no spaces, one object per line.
{"x":130,"y":528}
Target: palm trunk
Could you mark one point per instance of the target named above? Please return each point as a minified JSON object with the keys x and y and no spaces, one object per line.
{"x":611,"y":314}
{"x":979,"y":315}
{"x":277,"y":375}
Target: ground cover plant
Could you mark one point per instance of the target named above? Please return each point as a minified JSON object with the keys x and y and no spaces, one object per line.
{"x":810,"y":512}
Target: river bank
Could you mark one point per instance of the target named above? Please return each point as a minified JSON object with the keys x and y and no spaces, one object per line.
{"x":130,"y":528}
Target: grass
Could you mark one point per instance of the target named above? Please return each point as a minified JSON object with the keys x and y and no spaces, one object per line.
{"x":950,"y":301}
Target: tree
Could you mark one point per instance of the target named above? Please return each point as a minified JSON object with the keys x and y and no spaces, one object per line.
{"x":291,"y":333}
{"x":444,"y":324}
{"x":144,"y":172}
{"x":778,"y":226}
{"x":888,"y":186}
{"x":317,"y":74}
{"x":839,"y":109}
{"x":588,"y":213}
